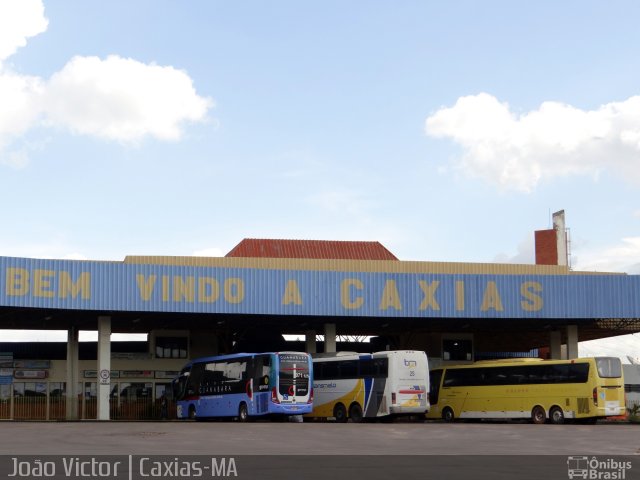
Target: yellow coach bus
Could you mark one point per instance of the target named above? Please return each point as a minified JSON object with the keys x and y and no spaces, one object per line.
{"x":583,"y":389}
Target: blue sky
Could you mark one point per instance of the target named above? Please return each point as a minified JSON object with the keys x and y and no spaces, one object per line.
{"x":448,"y":131}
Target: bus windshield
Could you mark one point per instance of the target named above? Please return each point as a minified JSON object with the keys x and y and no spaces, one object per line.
{"x":294,"y":375}
{"x":609,"y":367}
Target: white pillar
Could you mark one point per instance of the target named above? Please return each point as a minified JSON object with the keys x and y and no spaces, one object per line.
{"x":572,"y":341}
{"x":555,"y":346}
{"x":329,"y":337}
{"x":72,"y":374}
{"x":310,"y":340}
{"x":104,"y":367}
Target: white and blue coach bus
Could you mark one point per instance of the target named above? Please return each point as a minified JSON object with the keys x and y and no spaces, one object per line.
{"x":355,"y":386}
{"x":245,"y":385}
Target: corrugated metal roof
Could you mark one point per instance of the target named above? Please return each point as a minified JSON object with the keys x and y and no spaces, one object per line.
{"x":334,"y":265}
{"x":311,"y":249}
{"x":362,"y":291}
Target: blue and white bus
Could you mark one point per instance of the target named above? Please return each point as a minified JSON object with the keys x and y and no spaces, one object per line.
{"x":244,"y":385}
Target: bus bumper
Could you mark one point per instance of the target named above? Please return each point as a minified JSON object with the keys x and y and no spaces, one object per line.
{"x":287,"y":409}
{"x":398,"y":410}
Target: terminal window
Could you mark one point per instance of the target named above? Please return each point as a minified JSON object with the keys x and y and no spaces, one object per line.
{"x":171,"y":347}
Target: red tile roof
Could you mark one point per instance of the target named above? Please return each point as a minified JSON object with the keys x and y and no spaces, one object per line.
{"x":316,"y":249}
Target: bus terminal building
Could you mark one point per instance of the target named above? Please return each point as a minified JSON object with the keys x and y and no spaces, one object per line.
{"x":321,"y":291}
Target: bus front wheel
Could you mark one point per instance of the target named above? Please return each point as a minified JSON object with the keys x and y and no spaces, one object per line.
{"x":447,"y":415}
{"x":355,"y":413}
{"x":192,"y":412}
{"x":538,"y":416}
{"x":340,"y":412}
{"x":556,"y":415}
{"x":243,"y":413}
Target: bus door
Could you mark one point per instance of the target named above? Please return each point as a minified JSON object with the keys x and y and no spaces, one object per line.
{"x":179,"y":389}
{"x":435,"y":378}
{"x":451,"y":393}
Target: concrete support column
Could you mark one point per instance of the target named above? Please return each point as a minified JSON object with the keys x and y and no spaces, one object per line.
{"x":329,"y":337}
{"x":104,"y":367}
{"x":555,"y":345}
{"x":73,"y":374}
{"x":572,"y":341}
{"x":310,"y":341}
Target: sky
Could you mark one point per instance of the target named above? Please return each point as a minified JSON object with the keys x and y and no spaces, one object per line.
{"x":447,"y":131}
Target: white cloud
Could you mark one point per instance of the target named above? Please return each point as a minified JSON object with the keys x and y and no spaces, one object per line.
{"x":122,"y":99}
{"x":20,"y":108}
{"x":525,"y":253}
{"x":19,"y":20}
{"x":16,"y":159}
{"x":518,"y":151}
{"x":623,"y":257}
{"x":116,"y":98}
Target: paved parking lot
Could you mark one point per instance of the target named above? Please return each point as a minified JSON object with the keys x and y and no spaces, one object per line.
{"x":265,"y":438}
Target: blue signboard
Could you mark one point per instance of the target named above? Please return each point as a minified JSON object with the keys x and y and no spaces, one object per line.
{"x":85,"y":285}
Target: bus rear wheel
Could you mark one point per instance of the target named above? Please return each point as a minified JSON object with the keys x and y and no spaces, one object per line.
{"x":538,"y":415}
{"x":447,"y":415}
{"x":243,"y":413}
{"x":340,"y":412}
{"x":355,"y":413}
{"x":556,"y":415}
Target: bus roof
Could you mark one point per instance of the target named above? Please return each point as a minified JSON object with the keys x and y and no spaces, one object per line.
{"x":509,"y":360}
{"x":518,"y":361}
{"x":231,"y":356}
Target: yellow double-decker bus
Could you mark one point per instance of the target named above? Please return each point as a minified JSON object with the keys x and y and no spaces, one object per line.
{"x":583,"y":389}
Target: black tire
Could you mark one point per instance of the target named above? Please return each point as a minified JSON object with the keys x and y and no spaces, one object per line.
{"x":447,"y":415}
{"x":538,"y":415}
{"x":355,"y":413}
{"x":192,"y":412}
{"x":556,"y":415}
{"x":243,"y":413}
{"x":340,"y":412}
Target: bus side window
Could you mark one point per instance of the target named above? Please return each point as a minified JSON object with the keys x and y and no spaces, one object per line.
{"x":348,"y":369}
{"x":264,"y":365}
{"x":367,"y":369}
{"x":261,"y":373}
{"x":318,"y":371}
{"x":193,"y":381}
{"x":330,"y":370}
{"x":381,"y":366}
{"x":180,"y":385}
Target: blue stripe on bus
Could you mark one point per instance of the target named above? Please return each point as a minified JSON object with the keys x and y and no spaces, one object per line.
{"x":368,"y":389}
